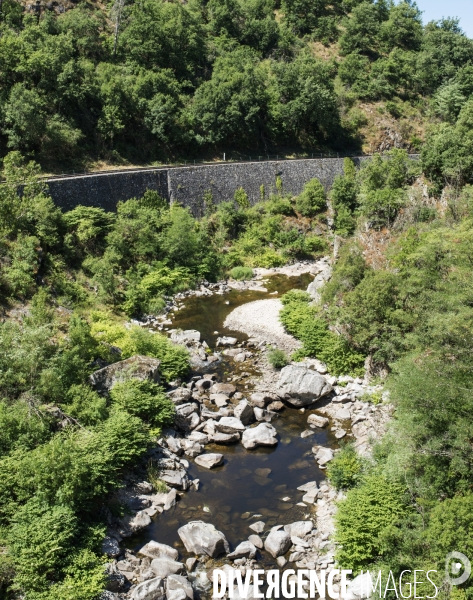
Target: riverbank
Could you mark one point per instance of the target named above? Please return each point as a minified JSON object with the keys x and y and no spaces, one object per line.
{"x":242,"y":460}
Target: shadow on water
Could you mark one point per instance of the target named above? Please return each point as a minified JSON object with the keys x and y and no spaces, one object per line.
{"x":251,"y":485}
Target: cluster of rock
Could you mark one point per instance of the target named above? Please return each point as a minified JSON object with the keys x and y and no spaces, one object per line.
{"x":211,"y":412}
{"x":158,"y":574}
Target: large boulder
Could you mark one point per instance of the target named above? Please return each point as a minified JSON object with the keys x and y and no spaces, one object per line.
{"x":203,"y":538}
{"x":263,"y":434}
{"x":180,"y":395}
{"x":320,"y":280}
{"x":277,"y":543}
{"x":135,"y":367}
{"x":301,"y":386}
{"x":176,"y":479}
{"x":153,"y":589}
{"x":317,"y":421}
{"x":210,"y":460}
{"x":154,"y":550}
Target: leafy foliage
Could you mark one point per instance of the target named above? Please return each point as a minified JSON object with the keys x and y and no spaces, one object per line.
{"x":362,"y":518}
{"x":304,"y":322}
{"x":345,"y":470}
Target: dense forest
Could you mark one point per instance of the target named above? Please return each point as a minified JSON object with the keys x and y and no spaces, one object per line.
{"x":161,"y":81}
{"x":153,"y":80}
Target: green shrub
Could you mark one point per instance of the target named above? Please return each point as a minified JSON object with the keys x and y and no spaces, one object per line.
{"x":367,"y":511}
{"x":295,"y":296}
{"x":345,"y":470}
{"x":277,"y":358}
{"x":267,"y":260}
{"x":241,"y":273}
{"x":296,"y":314}
{"x":241,"y":198}
{"x":22,"y":427}
{"x":85,"y":405}
{"x":136,"y":340}
{"x":145,"y":400}
{"x":144,"y":295}
{"x":299,"y":318}
{"x":451,"y":526}
{"x":312,"y":199}
{"x":279,"y":206}
{"x":315,"y":244}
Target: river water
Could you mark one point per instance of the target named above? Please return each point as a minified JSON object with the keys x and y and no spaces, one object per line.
{"x":254,"y":485}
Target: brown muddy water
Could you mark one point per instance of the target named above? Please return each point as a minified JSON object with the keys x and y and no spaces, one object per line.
{"x":254,"y":485}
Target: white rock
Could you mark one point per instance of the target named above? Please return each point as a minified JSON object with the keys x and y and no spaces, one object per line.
{"x":299,"y":528}
{"x":166,"y":566}
{"x":230,"y":425}
{"x":156,"y":550}
{"x":258,"y":527}
{"x":244,"y":411}
{"x":262,"y":435}
{"x":203,"y":538}
{"x":342,"y":414}
{"x":245,"y":549}
{"x":277,"y":543}
{"x":177,"y":583}
{"x":301,"y":386}
{"x":317,"y":421}
{"x":153,"y":589}
{"x":209,"y":461}
{"x":256,"y":541}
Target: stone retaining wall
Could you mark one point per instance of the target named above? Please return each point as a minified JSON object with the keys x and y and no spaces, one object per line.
{"x":188,"y":185}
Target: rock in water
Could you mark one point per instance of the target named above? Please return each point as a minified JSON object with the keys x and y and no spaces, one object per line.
{"x":277,"y":543}
{"x":258,"y":527}
{"x":245,"y":549}
{"x":301,"y":386}
{"x":317,"y":421}
{"x":209,"y":460}
{"x":186,"y":336}
{"x":262,"y":435}
{"x":135,"y":367}
{"x":203,"y":538}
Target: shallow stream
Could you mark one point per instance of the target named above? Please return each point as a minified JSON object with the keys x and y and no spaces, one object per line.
{"x":251,"y":485}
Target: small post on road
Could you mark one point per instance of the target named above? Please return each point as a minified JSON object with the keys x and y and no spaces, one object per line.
{"x":224,"y":157}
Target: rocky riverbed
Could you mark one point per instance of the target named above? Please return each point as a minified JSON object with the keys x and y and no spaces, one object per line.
{"x":243,"y":467}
